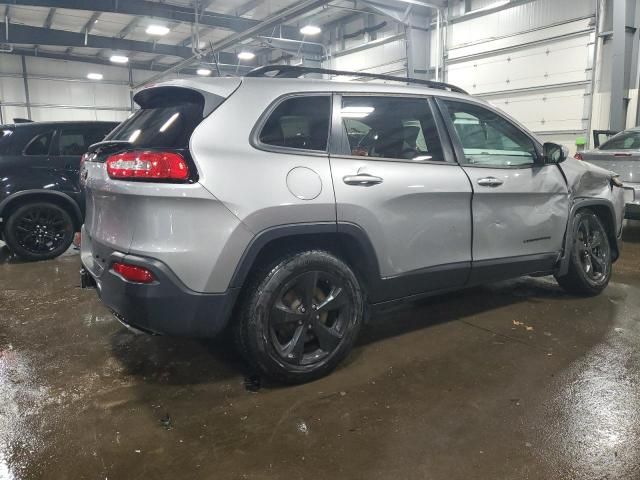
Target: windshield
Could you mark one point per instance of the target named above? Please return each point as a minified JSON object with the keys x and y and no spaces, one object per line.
{"x":160,"y":127}
{"x":623,"y":141}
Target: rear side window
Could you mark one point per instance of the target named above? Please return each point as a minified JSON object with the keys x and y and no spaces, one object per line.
{"x":623,"y":141}
{"x":391,"y":127}
{"x":300,"y":123}
{"x":39,"y":145}
{"x":166,"y":126}
{"x":76,"y":141}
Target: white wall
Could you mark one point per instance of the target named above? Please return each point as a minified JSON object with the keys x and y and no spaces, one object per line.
{"x":533,"y":61}
{"x":59,"y":90}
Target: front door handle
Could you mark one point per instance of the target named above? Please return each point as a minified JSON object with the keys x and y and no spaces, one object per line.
{"x":362,"y":179}
{"x":490,"y":182}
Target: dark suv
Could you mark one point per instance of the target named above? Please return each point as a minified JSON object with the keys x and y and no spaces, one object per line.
{"x":41,"y":204}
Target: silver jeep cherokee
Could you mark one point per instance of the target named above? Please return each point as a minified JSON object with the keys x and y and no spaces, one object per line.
{"x":287,"y":208}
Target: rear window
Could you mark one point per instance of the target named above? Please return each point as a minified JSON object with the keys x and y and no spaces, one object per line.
{"x":161,"y":126}
{"x":623,"y":141}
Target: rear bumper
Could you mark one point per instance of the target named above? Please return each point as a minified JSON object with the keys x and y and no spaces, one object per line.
{"x":165,"y":306}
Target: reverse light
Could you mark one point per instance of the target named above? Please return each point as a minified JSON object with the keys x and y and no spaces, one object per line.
{"x":133,"y":273}
{"x":578,"y":156}
{"x":148,"y":165}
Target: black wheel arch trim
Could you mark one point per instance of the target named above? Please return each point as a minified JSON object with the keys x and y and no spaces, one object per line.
{"x":333,"y":229}
{"x":578,"y":204}
{"x":75,"y":208}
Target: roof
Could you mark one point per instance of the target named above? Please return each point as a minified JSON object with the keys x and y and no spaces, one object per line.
{"x":281,"y":86}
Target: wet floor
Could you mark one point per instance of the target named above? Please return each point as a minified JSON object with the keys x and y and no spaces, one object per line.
{"x":513,"y":381}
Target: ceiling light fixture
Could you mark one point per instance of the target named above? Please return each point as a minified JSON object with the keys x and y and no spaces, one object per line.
{"x":118,"y":59}
{"x":244,"y":55}
{"x":310,"y":30}
{"x":204,"y":72}
{"x":157,"y":30}
{"x":94,"y":76}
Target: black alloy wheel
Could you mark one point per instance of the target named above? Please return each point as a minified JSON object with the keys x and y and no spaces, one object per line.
{"x":39,"y":231}
{"x":300,"y":316}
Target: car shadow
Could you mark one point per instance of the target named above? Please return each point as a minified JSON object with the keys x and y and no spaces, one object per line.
{"x":175,"y":361}
{"x":631,"y":231}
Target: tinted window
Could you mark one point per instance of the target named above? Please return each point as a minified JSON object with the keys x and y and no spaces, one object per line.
{"x":623,"y":141}
{"x":390,"y":127}
{"x":160,"y":127}
{"x":76,"y":141}
{"x":300,"y":122}
{"x":39,"y":145}
{"x":489,"y":139}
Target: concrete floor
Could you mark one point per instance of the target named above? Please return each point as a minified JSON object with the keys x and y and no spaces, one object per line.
{"x":512,"y":381}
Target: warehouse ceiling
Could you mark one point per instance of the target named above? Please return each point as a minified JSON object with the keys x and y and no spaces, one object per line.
{"x":68,"y":30}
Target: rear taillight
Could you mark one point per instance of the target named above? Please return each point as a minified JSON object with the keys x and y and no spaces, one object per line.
{"x":578,"y":156}
{"x":133,"y":273}
{"x":148,"y":165}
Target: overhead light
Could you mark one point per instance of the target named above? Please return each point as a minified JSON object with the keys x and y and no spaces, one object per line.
{"x":356,"y":112}
{"x":246,"y":55}
{"x":203,"y":71}
{"x":119,"y":59}
{"x":157,"y":30}
{"x":310,"y":30}
{"x":94,"y":76}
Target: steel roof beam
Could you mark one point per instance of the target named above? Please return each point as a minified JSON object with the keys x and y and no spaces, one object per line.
{"x":145,"y":8}
{"x":43,"y":36}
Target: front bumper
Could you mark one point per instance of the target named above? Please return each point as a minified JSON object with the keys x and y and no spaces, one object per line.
{"x":165,"y":306}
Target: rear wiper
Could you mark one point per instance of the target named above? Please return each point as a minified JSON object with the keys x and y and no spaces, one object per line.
{"x":106,"y":145}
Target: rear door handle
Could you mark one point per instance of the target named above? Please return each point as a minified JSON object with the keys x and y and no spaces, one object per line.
{"x":362,"y":179}
{"x":490,"y":182}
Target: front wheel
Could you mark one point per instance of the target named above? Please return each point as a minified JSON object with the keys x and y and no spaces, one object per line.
{"x":39,"y":231}
{"x":301,"y":317}
{"x":590,"y":257}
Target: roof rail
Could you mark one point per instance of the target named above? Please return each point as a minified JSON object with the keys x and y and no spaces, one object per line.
{"x":294,"y":71}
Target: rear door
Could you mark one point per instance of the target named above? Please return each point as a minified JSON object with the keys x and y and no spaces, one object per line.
{"x":520,"y":205}
{"x":71,"y":142}
{"x":396,"y":180}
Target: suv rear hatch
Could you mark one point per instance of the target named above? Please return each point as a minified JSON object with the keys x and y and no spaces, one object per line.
{"x":118,"y":200}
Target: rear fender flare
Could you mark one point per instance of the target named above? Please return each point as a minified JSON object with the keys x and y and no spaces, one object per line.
{"x":24,"y":195}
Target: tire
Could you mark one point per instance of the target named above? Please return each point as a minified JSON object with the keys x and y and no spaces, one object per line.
{"x":39,"y":231}
{"x":590,"y":257}
{"x":283,"y":337}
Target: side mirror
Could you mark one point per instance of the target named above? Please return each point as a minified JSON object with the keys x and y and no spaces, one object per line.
{"x":554,"y":153}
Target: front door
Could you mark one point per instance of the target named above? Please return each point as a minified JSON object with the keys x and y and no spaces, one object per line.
{"x":520,"y":205}
{"x":396,"y":180}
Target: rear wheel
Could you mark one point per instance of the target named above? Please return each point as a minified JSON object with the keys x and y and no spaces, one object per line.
{"x":39,"y":231}
{"x":590,"y":257}
{"x":301,"y":317}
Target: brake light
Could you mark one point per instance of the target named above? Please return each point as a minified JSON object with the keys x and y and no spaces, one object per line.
{"x":133,"y":273}
{"x":148,"y":165}
{"x":578,"y":156}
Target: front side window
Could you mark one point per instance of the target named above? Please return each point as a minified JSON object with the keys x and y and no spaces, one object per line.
{"x":623,"y":141}
{"x":39,"y":145}
{"x":391,"y":127}
{"x":300,"y":123}
{"x":487,"y":139}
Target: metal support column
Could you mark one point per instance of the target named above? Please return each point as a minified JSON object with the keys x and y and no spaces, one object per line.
{"x":131,"y":88}
{"x":26,"y":87}
{"x":418,"y":40}
{"x":617,"y":118}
